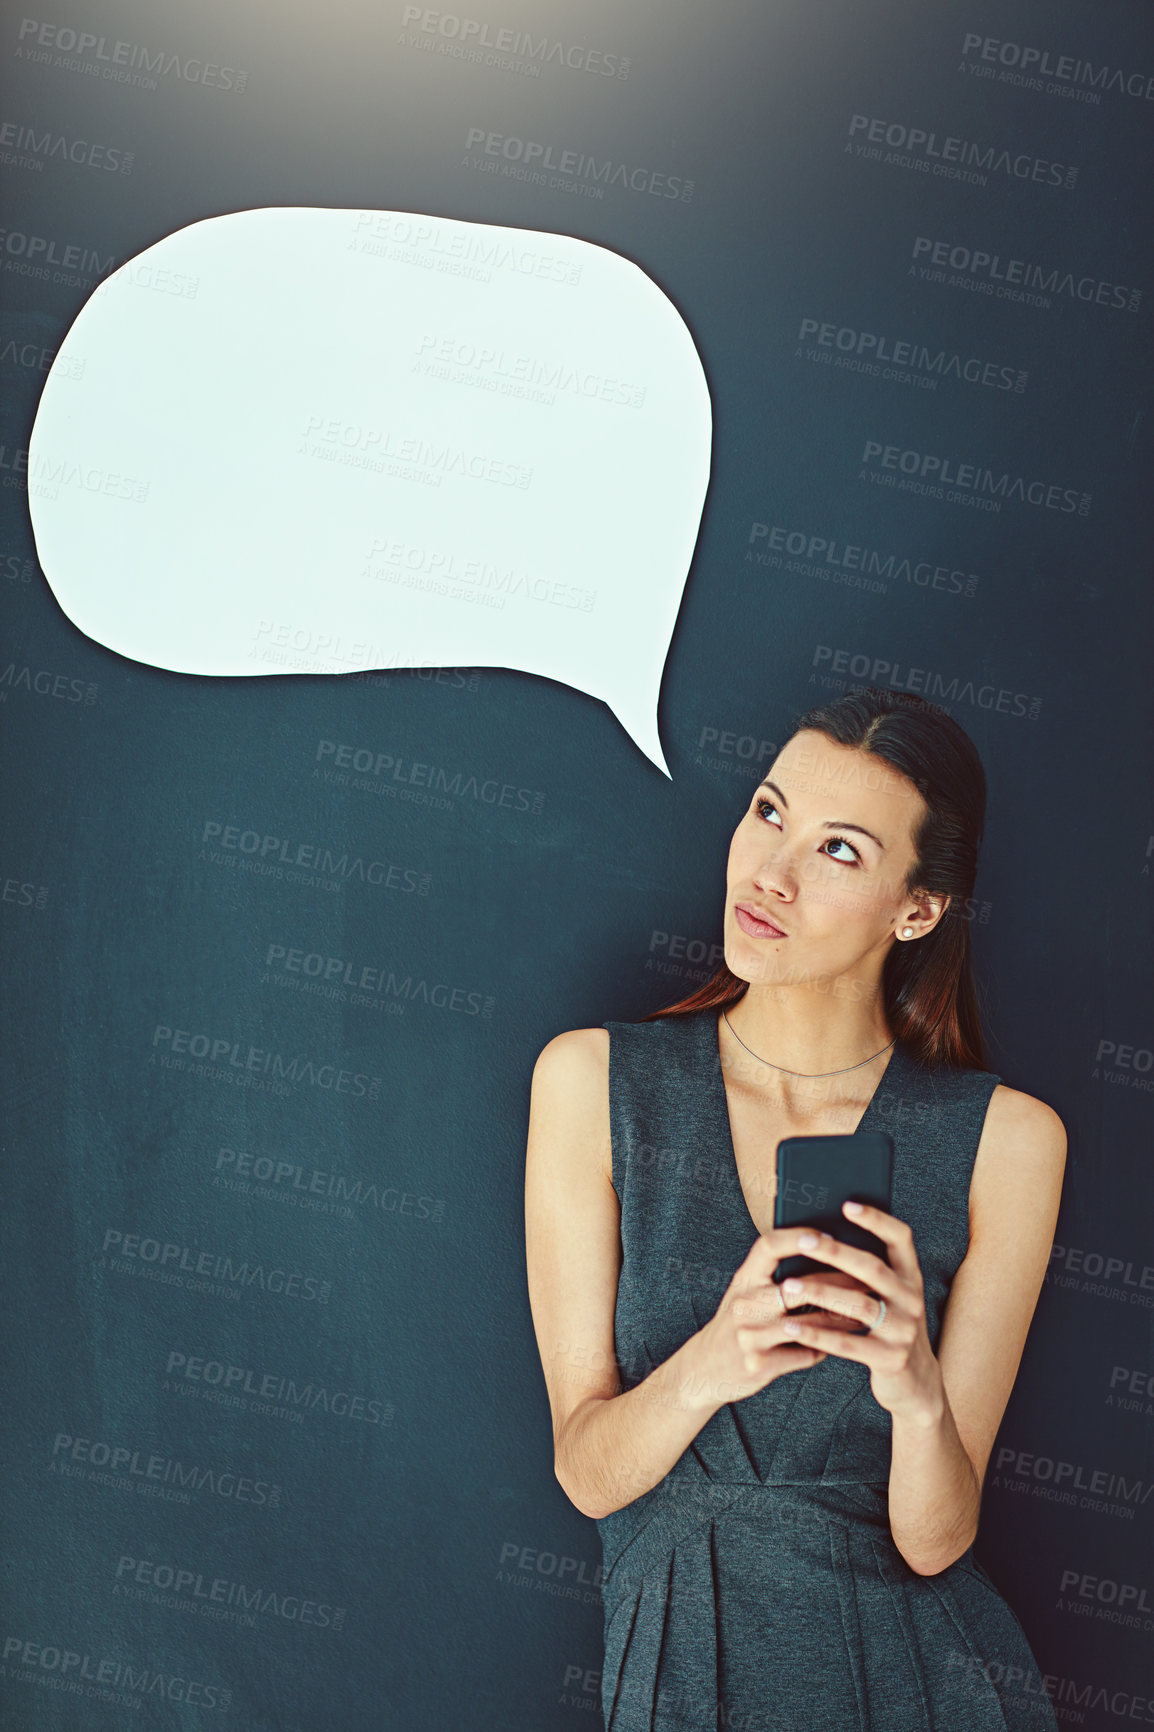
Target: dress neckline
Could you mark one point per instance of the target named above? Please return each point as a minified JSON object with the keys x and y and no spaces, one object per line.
{"x":710,"y":1030}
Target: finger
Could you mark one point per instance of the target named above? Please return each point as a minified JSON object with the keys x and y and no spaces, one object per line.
{"x":832,"y":1280}
{"x":768,"y":1249}
{"x":878,"y":1276}
{"x":857,"y":1301}
{"x":762,"y":1336}
{"x":769,"y":1334}
{"x":757,"y":1305}
{"x":840,"y":1278}
{"x":786,"y":1358}
{"x":782,"y":1355}
{"x":866,"y":1348}
{"x":896,"y":1234}
{"x":758,"y":1266}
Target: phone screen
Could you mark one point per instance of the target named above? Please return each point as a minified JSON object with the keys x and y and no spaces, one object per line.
{"x":816,"y":1175}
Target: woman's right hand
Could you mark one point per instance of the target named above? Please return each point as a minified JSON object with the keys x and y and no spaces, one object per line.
{"x":744,"y":1346}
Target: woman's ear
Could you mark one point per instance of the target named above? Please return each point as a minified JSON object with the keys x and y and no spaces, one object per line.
{"x":924,"y":912}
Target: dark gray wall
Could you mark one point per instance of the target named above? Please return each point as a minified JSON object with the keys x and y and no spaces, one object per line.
{"x":307,"y":1301}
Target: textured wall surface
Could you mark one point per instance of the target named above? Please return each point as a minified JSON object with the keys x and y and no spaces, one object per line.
{"x":281,"y":952}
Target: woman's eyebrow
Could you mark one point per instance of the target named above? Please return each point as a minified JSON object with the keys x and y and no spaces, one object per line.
{"x":830,"y":823}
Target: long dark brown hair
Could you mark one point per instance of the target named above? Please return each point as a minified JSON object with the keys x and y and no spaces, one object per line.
{"x":928,"y":987}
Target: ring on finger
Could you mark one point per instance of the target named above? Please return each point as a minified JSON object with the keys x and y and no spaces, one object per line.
{"x":878,"y":1320}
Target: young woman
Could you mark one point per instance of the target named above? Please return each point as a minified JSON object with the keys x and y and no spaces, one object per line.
{"x":787,"y":1504}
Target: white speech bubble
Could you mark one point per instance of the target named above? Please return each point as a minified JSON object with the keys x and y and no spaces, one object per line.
{"x":297,"y":440}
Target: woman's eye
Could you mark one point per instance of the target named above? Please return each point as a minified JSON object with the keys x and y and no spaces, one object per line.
{"x":840,"y":842}
{"x":851,"y":855}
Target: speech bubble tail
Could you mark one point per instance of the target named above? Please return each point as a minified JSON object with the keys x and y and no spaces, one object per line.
{"x":642,"y":730}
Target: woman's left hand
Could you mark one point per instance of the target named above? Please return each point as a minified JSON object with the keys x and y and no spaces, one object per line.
{"x":904,"y":1372}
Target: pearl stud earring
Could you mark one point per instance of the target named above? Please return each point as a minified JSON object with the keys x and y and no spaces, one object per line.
{"x":907,"y":931}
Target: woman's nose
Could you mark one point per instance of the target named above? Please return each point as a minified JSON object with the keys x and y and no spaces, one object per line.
{"x":777,"y":875}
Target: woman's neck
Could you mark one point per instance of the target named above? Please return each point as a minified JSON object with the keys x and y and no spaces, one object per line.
{"x":803,"y":1053}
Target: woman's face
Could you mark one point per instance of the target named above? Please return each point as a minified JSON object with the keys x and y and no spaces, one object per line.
{"x":823,"y":853}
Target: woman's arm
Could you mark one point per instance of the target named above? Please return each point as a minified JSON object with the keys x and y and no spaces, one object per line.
{"x":610,"y":1447}
{"x":946,"y":1407}
{"x":939,"y":1460}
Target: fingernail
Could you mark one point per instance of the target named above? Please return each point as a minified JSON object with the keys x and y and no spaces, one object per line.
{"x":793,"y":1285}
{"x":807,"y":1241}
{"x":792,"y":1328}
{"x":852,"y":1208}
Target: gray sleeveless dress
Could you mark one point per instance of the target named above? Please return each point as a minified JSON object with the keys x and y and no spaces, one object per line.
{"x":757,"y":1588}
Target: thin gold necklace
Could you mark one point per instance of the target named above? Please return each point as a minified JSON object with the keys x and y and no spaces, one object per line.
{"x":805,"y":1073}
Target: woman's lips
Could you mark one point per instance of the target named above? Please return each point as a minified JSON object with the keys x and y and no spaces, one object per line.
{"x":754,"y":924}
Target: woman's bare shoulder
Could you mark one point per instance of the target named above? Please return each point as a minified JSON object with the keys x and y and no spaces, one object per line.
{"x":1014,"y":1116}
{"x":570,"y":1095}
{"x":1021,"y":1154}
{"x":574,"y":1050}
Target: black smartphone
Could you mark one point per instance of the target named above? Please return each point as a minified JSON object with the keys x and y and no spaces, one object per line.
{"x":816,"y":1175}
